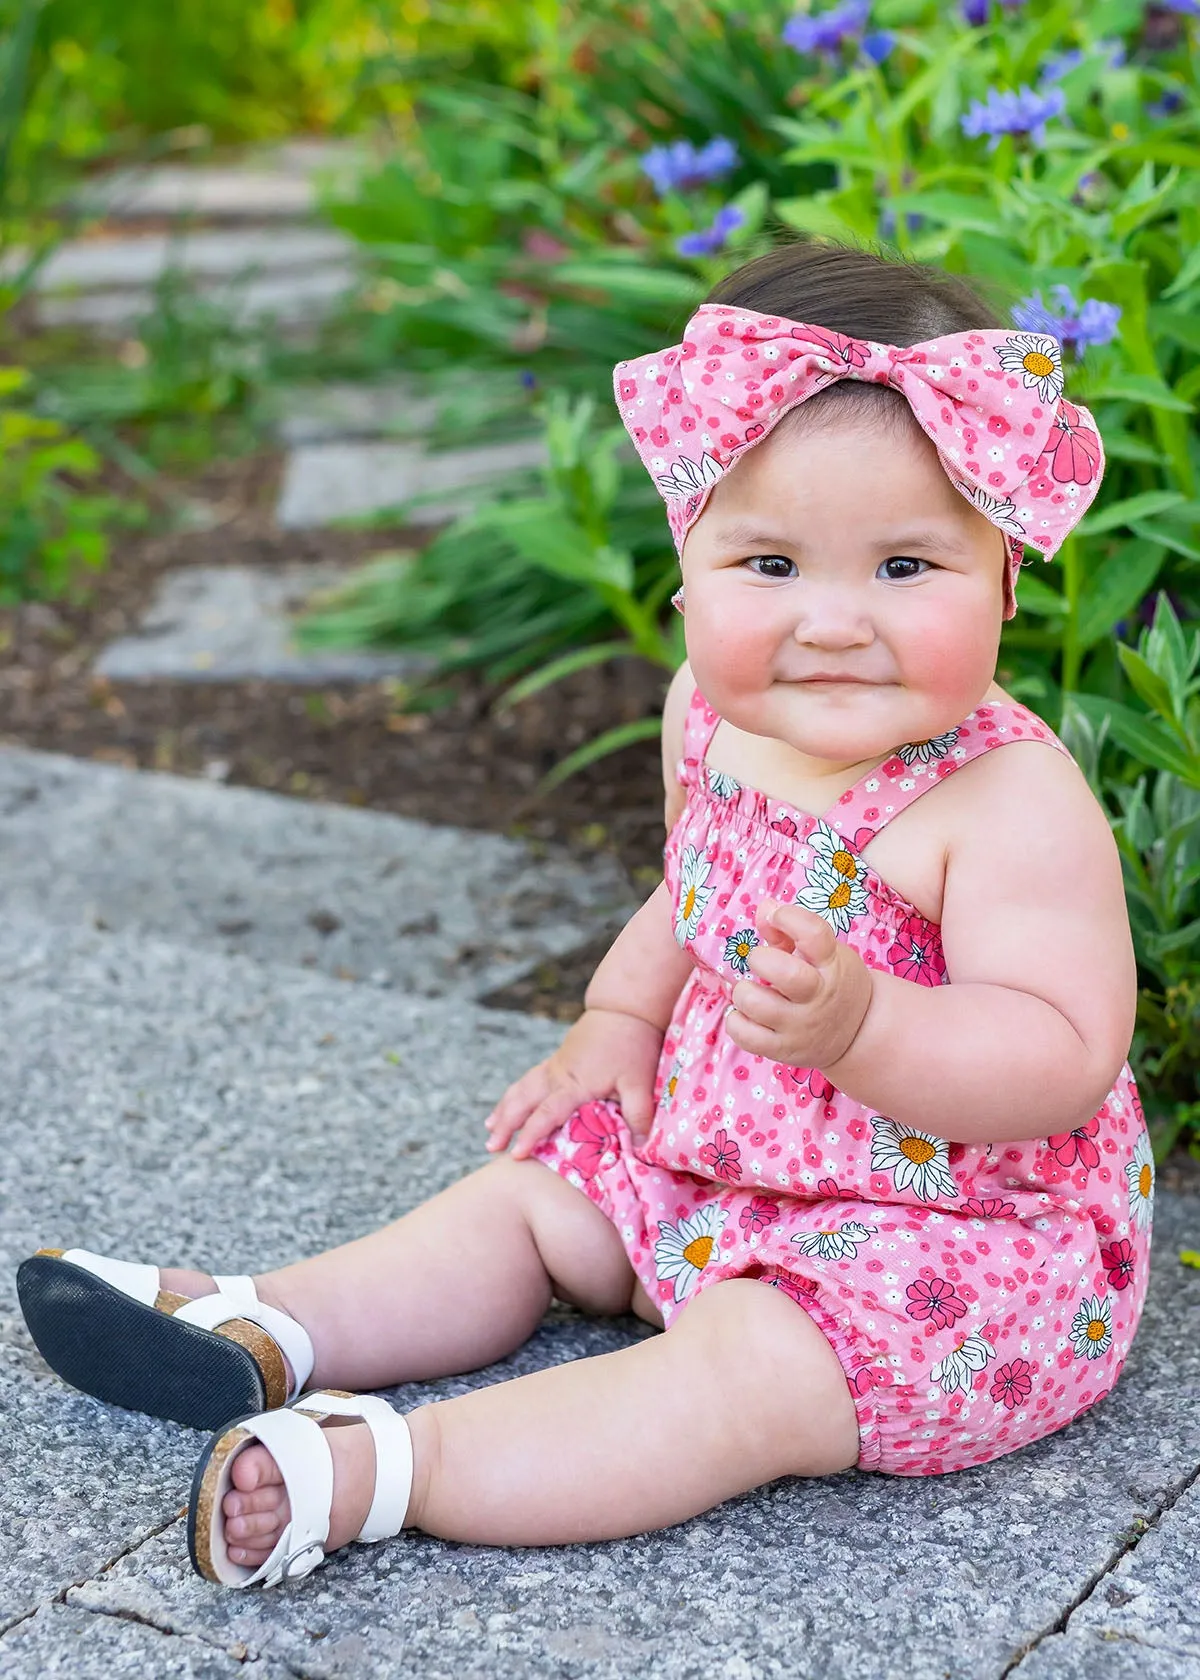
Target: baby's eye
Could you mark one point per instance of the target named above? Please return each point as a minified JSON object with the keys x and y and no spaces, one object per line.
{"x":903,"y":560}
{"x":773,"y":565}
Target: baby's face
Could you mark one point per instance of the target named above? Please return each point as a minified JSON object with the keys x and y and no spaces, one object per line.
{"x":845,"y":552}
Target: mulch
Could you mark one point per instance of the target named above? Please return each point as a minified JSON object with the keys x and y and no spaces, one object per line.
{"x":465,"y":764}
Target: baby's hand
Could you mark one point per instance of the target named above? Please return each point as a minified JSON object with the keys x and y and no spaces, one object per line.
{"x":605,"y":1054}
{"x":816,"y":995}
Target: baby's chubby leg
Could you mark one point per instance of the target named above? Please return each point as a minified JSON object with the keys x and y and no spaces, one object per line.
{"x":743,"y":1388}
{"x":462,"y":1280}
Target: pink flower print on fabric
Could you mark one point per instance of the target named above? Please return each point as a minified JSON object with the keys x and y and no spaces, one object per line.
{"x":760,"y":1213}
{"x":910,"y":954}
{"x":934,"y":1299}
{"x":1012,"y":1383}
{"x":1118,"y":1261}
{"x":722,"y":1156}
{"x":990,"y":400}
{"x":595,"y":1137}
{"x":1076,"y":1146}
{"x":804,"y":1082}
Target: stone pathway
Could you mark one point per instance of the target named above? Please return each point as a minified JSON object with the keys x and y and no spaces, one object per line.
{"x":166,"y":1100}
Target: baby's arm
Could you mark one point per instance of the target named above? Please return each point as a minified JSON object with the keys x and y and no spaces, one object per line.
{"x":1030,"y":1035}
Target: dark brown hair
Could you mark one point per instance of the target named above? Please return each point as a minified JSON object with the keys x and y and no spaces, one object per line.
{"x":861,"y":295}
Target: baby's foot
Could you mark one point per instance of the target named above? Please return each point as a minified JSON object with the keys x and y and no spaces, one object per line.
{"x":179,"y":1280}
{"x":256,"y":1511}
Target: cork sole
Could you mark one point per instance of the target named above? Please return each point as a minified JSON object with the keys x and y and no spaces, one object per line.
{"x":210,"y":1484}
{"x":102,"y":1341}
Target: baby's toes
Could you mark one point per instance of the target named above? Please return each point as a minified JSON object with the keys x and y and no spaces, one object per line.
{"x":254,"y":1468}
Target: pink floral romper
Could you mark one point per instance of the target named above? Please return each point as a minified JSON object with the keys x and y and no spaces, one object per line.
{"x":978,"y":1295}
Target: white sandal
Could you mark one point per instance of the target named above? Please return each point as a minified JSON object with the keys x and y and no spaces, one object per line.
{"x":298,"y":1444}
{"x":107,"y":1327}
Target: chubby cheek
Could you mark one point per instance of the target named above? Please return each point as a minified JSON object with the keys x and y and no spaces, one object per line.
{"x":731,"y":647}
{"x":950,"y":658}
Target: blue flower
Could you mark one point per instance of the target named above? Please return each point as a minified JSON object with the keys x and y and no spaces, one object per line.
{"x":1077,"y":325}
{"x":887,"y":222}
{"x":528,"y":380}
{"x":706,"y":240}
{"x":1189,"y":8}
{"x":1061,"y":64}
{"x":878,"y":45}
{"x":825,"y":33}
{"x":1167,"y":105}
{"x":1005,"y":112}
{"x":681,"y":165}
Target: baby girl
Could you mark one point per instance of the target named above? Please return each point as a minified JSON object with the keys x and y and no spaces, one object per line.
{"x":848,"y":1112}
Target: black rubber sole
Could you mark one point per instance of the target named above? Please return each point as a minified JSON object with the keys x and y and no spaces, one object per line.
{"x":101,"y":1341}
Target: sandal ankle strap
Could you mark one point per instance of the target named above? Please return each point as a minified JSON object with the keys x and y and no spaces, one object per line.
{"x":209,"y":1312}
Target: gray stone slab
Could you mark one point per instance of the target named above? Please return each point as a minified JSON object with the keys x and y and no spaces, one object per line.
{"x":84,"y":265}
{"x":324,"y":482}
{"x":279,"y":184}
{"x":66,"y":1644}
{"x":338,"y":411}
{"x":166,"y":1104}
{"x":229,"y":623}
{"x":360,"y":894}
{"x":290,"y":299}
{"x":1142,"y":1619}
{"x":162,"y":1103}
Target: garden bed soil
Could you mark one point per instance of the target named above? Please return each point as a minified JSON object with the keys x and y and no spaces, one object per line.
{"x":343,"y":743}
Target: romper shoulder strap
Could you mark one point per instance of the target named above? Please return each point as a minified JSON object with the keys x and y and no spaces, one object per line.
{"x":880,"y":795}
{"x":699,"y":728}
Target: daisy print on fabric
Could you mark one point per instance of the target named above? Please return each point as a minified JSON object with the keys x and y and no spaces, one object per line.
{"x":694,"y":870}
{"x":835,"y":884}
{"x":1001,"y":512}
{"x":722,"y":785}
{"x":924,"y":752}
{"x":1140,"y":1174}
{"x":1091,"y":1328}
{"x":959,"y":1368}
{"x":738,"y":948}
{"x":842,"y":1244}
{"x":686,"y":477}
{"x":682,"y":1251}
{"x":913,"y":1158}
{"x":1037,"y":357}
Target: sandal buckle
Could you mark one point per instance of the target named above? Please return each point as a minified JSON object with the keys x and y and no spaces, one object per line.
{"x":294,"y":1567}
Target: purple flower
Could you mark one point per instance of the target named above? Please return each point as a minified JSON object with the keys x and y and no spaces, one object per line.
{"x":887,"y":222}
{"x":825,"y":34}
{"x":1078,"y":325}
{"x":1061,"y":64}
{"x":679,"y":166}
{"x":1189,"y":8}
{"x":975,"y":12}
{"x":878,"y":45}
{"x":1167,"y":105}
{"x":1005,"y":112}
{"x":706,"y":240}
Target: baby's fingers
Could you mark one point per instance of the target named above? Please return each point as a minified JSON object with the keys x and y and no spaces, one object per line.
{"x":547,"y":1117}
{"x":515,"y":1106}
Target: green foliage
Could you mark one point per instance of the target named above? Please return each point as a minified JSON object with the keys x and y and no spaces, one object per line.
{"x":515,"y":229}
{"x":49,"y":530}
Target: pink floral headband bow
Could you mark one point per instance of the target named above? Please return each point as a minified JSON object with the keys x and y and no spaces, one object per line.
{"x":990,"y":400}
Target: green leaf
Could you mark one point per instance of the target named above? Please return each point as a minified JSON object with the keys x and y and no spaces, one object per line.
{"x":1167,"y":535}
{"x":1139,"y":388}
{"x":1120,"y":445}
{"x":1147,"y":683}
{"x":639,"y":283}
{"x":1181,"y":325}
{"x":1143,"y":201}
{"x":612,"y":740}
{"x":551,"y":540}
{"x":1038,"y":597}
{"x":953,"y":209}
{"x":1115,"y":514}
{"x":1187,"y":276}
{"x":814,"y":215}
{"x":595,"y":653}
{"x":1115,"y":587}
{"x":1144,"y":738}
